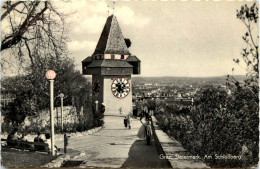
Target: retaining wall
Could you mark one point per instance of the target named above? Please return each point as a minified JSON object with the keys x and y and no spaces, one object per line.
{"x":171,"y":149}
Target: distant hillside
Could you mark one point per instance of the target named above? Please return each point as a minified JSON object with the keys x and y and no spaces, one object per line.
{"x":167,"y":79}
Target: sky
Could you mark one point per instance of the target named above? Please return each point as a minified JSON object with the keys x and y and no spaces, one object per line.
{"x":174,"y":38}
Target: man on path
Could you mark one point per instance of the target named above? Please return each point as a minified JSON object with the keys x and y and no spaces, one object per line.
{"x":125,"y":122}
{"x":129,"y":122}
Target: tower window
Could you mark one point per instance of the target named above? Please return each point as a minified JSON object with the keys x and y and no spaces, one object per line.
{"x":107,"y":56}
{"x":122,"y":57}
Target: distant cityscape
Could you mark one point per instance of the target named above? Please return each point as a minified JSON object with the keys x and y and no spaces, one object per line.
{"x":183,"y":90}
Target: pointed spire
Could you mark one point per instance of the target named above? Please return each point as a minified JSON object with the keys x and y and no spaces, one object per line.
{"x":111,"y":40}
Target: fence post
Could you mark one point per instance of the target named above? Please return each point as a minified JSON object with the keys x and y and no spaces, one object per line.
{"x":65,"y":143}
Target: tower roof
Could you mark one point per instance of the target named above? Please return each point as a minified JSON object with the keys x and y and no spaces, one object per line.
{"x":132,"y":59}
{"x":110,"y":63}
{"x":111,"y":40}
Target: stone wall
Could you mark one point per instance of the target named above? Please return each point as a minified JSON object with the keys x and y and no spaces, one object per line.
{"x":58,"y":137}
{"x":171,"y":149}
{"x":43,"y":117}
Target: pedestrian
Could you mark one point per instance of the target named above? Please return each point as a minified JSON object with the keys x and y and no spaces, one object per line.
{"x":141,"y":132}
{"x":38,"y":139}
{"x":125,"y":122}
{"x":145,"y":131}
{"x":129,"y":122}
{"x":146,"y":113}
{"x":48,"y":141}
{"x":148,"y":132}
{"x":12,"y":138}
{"x":24,"y":141}
{"x":120,"y":110}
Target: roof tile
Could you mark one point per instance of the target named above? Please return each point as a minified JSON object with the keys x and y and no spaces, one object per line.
{"x":111,"y":40}
{"x":109,"y":63}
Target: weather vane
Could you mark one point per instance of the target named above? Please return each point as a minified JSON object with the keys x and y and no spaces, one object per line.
{"x":113,"y":6}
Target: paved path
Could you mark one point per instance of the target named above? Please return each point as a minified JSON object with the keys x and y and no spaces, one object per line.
{"x":115,"y":147}
{"x":143,"y":156}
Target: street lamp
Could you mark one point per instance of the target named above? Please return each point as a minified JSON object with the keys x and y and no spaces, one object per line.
{"x":50,"y":75}
{"x":61,"y":100}
{"x":96,"y":105}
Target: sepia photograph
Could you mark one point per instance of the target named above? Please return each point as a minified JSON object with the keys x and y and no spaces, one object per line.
{"x":129,"y":84}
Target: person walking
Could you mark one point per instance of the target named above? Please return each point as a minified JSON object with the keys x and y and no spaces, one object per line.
{"x":148,"y":132}
{"x":145,"y":131}
{"x":125,"y":122}
{"x":129,"y":122}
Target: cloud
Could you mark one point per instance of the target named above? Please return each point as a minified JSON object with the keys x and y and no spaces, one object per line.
{"x":77,"y":46}
{"x":87,"y":17}
{"x":90,"y":17}
{"x":93,"y":24}
{"x":99,"y":7}
{"x":127,"y":16}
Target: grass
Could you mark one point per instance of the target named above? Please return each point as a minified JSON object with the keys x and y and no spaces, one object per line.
{"x":18,"y":158}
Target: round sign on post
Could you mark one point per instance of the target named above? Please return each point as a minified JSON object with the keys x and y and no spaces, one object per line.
{"x":61,"y":95}
{"x":96,"y":105}
{"x":50,"y":75}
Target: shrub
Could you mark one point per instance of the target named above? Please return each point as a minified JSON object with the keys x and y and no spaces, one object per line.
{"x":218,"y":124}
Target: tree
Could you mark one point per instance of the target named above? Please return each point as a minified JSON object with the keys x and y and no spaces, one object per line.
{"x":250,"y":55}
{"x":33,"y":30}
{"x":128,"y":43}
{"x":68,"y":81}
{"x":21,"y":107}
{"x":33,"y":88}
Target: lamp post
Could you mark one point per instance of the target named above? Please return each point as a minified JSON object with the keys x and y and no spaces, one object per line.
{"x":96,"y":105}
{"x":50,"y":75}
{"x":61,"y":102}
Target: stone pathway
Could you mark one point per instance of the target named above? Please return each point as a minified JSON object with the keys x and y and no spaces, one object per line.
{"x":143,"y":156}
{"x":115,"y":147}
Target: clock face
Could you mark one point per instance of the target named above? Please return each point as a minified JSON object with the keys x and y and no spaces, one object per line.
{"x":96,"y":86}
{"x":120,"y":87}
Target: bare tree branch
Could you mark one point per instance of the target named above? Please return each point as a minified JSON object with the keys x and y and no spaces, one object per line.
{"x":10,"y":8}
{"x":37,"y":31}
{"x":17,"y":36}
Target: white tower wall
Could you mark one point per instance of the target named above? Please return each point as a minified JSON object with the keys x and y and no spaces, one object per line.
{"x":112,"y":103}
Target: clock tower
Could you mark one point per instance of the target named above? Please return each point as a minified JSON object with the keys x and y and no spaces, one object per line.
{"x":111,"y":66}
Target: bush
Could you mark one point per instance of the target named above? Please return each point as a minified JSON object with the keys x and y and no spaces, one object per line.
{"x":218,"y":124}
{"x":6,"y":127}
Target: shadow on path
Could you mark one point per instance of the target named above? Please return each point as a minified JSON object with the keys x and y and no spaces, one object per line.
{"x":144,"y":156}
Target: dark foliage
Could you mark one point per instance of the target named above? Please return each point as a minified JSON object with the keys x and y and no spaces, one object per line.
{"x":128,"y":43}
{"x":31,"y":91}
{"x":218,"y":124}
{"x":98,"y":116}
